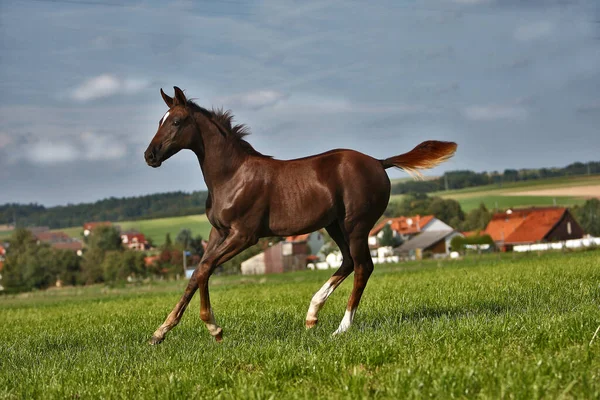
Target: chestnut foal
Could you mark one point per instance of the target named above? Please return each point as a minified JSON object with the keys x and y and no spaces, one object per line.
{"x":252,"y":196}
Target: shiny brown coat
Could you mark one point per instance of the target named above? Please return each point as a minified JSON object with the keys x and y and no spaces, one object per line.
{"x":252,"y":196}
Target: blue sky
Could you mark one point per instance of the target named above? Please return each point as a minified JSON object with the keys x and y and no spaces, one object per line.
{"x":515,"y":83}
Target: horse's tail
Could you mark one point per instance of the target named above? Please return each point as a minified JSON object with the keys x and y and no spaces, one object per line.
{"x":426,"y":155}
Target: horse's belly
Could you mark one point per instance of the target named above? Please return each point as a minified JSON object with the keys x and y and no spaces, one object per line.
{"x":302,"y":211}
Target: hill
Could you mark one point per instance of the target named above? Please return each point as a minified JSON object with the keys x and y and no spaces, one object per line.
{"x":560,"y":191}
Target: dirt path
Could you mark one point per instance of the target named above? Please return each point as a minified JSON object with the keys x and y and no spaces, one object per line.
{"x":588,"y":191}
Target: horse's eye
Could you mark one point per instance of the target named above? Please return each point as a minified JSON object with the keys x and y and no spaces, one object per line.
{"x":176,"y":121}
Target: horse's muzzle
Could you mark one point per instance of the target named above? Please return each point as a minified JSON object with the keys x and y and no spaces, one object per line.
{"x":151,"y":158}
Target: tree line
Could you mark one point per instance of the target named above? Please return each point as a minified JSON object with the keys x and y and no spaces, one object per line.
{"x":173,"y":204}
{"x":462,"y":179}
{"x":30,"y":264}
{"x":114,"y":209}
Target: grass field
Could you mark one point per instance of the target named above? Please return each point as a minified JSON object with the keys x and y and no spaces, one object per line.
{"x":494,"y":196}
{"x":156,"y":229}
{"x":517,"y":327}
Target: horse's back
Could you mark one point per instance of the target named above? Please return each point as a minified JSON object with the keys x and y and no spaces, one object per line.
{"x":312,"y":192}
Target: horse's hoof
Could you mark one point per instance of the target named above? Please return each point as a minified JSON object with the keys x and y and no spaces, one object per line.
{"x":311,"y":323}
{"x":155,"y":340}
{"x":219,"y":337}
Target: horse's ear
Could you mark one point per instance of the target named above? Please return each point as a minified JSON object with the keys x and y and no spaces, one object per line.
{"x":179,"y":96}
{"x":166,"y":98}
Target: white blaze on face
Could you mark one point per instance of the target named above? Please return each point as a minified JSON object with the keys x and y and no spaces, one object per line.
{"x":346,"y":322}
{"x":164,"y":118}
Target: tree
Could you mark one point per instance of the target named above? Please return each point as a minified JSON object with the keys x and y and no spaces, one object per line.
{"x":28,"y":265}
{"x":387,"y":236}
{"x":120,"y":265}
{"x":448,"y":211}
{"x":477,"y":219}
{"x":588,"y":216}
{"x":168,"y":242}
{"x":196,"y":247}
{"x":184,"y":238}
{"x":105,"y":238}
{"x":67,"y":266}
{"x":102,"y":240}
{"x":91,"y":266}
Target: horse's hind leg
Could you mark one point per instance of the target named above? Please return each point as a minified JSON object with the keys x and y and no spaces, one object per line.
{"x":363,"y":267}
{"x":318,"y":300}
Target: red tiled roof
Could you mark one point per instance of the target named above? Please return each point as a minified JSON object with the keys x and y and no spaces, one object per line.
{"x":403,"y":225}
{"x":134,"y":235}
{"x":297,"y":238}
{"x":91,"y":225}
{"x":150,"y":260}
{"x":524,"y":226}
{"x":74,"y":245}
{"x":53,"y":237}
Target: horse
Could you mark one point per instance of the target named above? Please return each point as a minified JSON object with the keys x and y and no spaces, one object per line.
{"x":252,"y":195}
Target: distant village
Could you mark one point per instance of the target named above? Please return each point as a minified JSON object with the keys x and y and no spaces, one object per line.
{"x":391,"y":240}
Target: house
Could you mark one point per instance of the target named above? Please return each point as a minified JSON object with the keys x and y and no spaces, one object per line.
{"x":281,"y":257}
{"x":404,"y":228}
{"x":134,"y":240}
{"x":314,"y":241}
{"x":88,"y":227}
{"x":532,"y":225}
{"x":59,"y":240}
{"x":436,"y":242}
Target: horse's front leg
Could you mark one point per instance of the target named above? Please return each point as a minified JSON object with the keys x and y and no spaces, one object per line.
{"x":234,"y":243}
{"x":175,"y":316}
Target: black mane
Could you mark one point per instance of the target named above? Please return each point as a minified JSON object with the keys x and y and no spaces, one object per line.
{"x":224,"y":121}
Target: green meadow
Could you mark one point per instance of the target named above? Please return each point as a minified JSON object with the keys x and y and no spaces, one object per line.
{"x":510,"y":326}
{"x":507,"y":195}
{"x":157,"y":229}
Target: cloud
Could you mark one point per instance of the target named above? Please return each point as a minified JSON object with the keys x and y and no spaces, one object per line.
{"x":494,"y":112}
{"x":254,"y":100}
{"x":533,"y":31}
{"x":85,"y":147}
{"x":106,"y":85}
{"x":470,"y":2}
{"x":47,"y":152}
{"x":96,"y":147}
{"x":591,"y":108}
{"x":5,"y":140}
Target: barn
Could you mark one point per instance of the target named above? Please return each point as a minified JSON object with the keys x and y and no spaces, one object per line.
{"x":532,"y":225}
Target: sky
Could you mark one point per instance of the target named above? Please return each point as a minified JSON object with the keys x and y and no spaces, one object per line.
{"x":516,"y":83}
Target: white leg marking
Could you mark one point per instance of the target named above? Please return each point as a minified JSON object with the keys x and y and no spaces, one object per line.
{"x":318,"y":300}
{"x":346,"y":322}
{"x":212,"y":326}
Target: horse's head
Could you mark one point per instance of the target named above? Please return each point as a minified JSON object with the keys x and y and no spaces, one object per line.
{"x":176,"y":130}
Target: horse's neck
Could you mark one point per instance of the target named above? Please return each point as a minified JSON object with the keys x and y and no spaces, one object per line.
{"x":219,"y":158}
